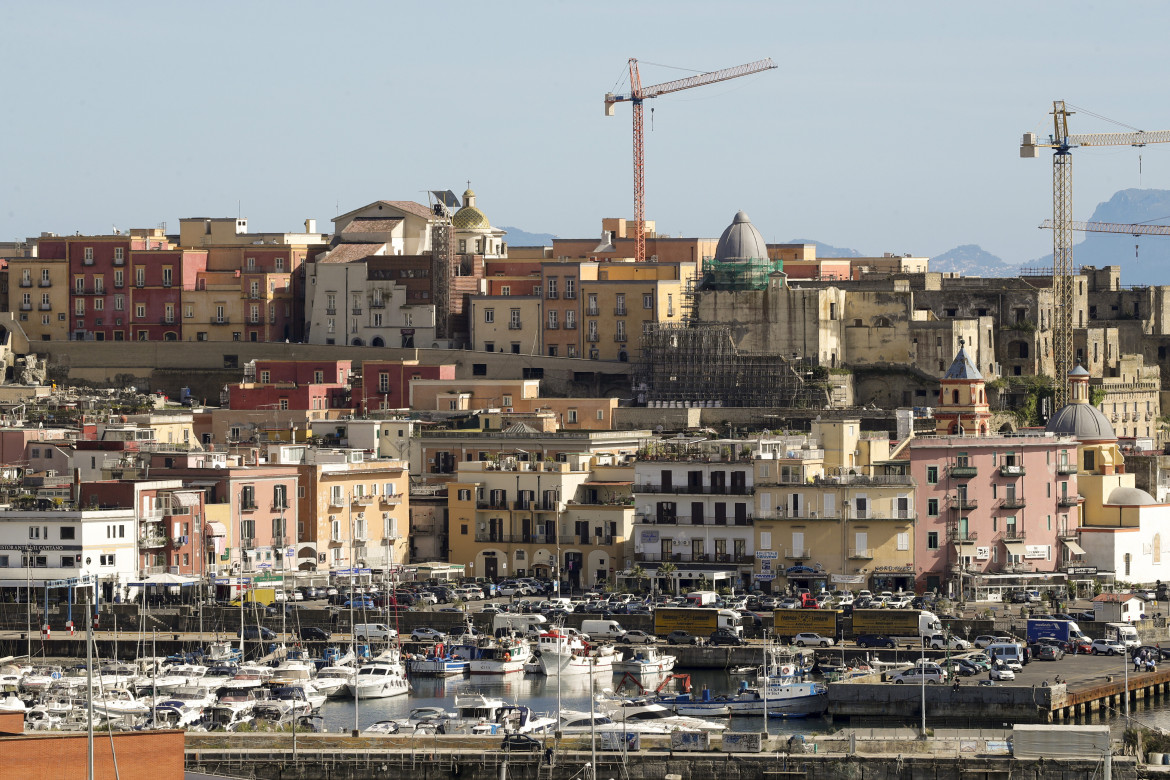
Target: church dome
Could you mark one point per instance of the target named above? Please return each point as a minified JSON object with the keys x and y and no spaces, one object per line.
{"x":1130,"y":496}
{"x":470,"y":217}
{"x":741,"y":241}
{"x":1083,"y":422}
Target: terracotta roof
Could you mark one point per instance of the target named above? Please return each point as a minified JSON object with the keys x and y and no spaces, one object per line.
{"x":349,"y":253}
{"x":372,"y":224}
{"x":1114,"y":598}
{"x":409,"y":206}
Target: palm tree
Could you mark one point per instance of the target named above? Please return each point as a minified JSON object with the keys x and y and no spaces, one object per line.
{"x":666,"y":570}
{"x":639,"y":574}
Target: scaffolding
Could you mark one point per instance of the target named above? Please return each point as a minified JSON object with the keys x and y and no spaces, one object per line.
{"x":749,"y":273}
{"x":700,"y":366}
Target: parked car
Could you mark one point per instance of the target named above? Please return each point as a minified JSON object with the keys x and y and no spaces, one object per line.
{"x":813,"y":639}
{"x":358,"y":602}
{"x":1107,"y":647}
{"x":315,"y":634}
{"x":916,"y":675}
{"x":521,"y":743}
{"x":681,"y":638}
{"x":257,"y":632}
{"x":1002,"y":674}
{"x":982,"y":660}
{"x":722,"y":636}
{"x":1047,"y":653}
{"x":638,"y":637}
{"x":963,"y":667}
{"x":427,"y":635}
{"x":984,"y":640}
{"x":876,"y":640}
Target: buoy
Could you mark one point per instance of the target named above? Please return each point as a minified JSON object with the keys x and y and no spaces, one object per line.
{"x":507,"y":656}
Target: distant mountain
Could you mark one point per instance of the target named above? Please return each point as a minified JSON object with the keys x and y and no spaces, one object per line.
{"x":972,"y":260}
{"x":824,"y":250}
{"x":1143,"y":260}
{"x":518,"y":237}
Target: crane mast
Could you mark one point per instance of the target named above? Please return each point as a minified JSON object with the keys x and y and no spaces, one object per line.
{"x":637,"y":96}
{"x":1062,"y":143}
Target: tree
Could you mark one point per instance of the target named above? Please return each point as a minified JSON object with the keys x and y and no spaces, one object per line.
{"x":639,"y":574}
{"x":668,"y":570}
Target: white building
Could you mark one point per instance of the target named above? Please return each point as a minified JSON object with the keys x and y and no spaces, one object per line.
{"x":1130,"y":537}
{"x":64,"y":544}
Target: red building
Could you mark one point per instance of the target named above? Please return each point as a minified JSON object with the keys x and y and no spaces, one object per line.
{"x":303,"y":371}
{"x":294,"y":384}
{"x":386,"y":383}
{"x":156,"y":297}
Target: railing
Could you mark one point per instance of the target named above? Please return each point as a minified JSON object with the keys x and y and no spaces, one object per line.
{"x":249,"y":506}
{"x":280,"y":541}
{"x":592,"y":312}
{"x":570,"y":325}
{"x":1013,"y":532}
{"x":46,"y":307}
{"x":221,"y":321}
{"x":26,"y":283}
{"x":1012,"y":471}
{"x":955,"y":535}
{"x":502,"y":538}
{"x":356,"y":310}
{"x":119,"y":261}
{"x":593,"y":338}
{"x":570,"y":295}
{"x":804,"y":513}
{"x":963,"y":472}
{"x":551,"y":295}
{"x":1066,"y":468}
{"x":363,"y":500}
{"x":331,"y":310}
{"x":87,"y":261}
{"x":696,"y":490}
{"x":391,"y":499}
{"x":26,"y":307}
{"x":620,"y":336}
{"x":860,"y":553}
{"x":1068,"y":500}
{"x":279,"y":505}
{"x":620,"y":311}
{"x":553,"y":325}
{"x":1013,"y":502}
{"x":797,"y":553}
{"x":248,"y":543}
{"x":963,"y":503}
{"x":152,"y":541}
{"x":514,"y":326}
{"x":46,"y":283}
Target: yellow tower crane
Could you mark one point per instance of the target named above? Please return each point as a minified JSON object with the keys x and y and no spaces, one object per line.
{"x":1062,"y":143}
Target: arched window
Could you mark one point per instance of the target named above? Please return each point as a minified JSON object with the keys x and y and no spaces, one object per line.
{"x":357,"y":343}
{"x":377,"y":342}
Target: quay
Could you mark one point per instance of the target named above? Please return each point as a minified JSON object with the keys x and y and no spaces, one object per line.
{"x":890,"y":756}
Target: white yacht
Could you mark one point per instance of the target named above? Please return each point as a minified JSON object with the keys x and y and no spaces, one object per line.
{"x":381,"y":678}
{"x":331,"y":680}
{"x":643,"y":710}
{"x":644,"y":660}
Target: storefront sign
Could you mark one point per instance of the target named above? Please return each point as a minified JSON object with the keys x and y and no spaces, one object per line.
{"x":1035,"y":551}
{"x":767,"y":555}
{"x":800,"y":571}
{"x":982,"y":553}
{"x":1082,"y":571}
{"x":765,"y":577}
{"x":848,"y":579}
{"x":40,"y":547}
{"x":649,"y":537}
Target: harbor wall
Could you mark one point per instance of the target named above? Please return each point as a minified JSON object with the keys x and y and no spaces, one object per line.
{"x":127,"y":755}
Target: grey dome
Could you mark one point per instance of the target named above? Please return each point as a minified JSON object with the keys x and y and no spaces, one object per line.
{"x":1082,"y":421}
{"x":741,"y":241}
{"x":1130,"y":496}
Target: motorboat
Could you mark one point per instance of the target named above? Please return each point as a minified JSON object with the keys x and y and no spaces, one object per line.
{"x":783,"y":697}
{"x":644,"y":660}
{"x":647,"y":710}
{"x":575,"y":722}
{"x":331,"y":680}
{"x":379,"y":680}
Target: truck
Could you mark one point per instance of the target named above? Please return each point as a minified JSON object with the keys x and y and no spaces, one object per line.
{"x":1064,"y":630}
{"x":265,"y":596}
{"x":787,"y":623}
{"x":697,"y":621}
{"x":915,"y":623}
{"x":702,"y":598}
{"x":1125,"y":633}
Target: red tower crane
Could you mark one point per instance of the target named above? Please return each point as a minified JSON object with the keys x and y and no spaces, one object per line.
{"x":638,"y":93}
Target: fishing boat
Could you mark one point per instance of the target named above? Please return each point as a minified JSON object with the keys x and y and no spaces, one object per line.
{"x":644,"y":660}
{"x":565,"y":655}
{"x":437,"y":663}
{"x":502,"y":656}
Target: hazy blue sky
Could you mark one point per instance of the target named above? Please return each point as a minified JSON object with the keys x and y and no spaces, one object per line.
{"x":888,"y":127}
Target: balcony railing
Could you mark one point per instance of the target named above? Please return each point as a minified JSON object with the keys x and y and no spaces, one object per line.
{"x":797,"y":553}
{"x":1011,"y":471}
{"x":957,"y":535}
{"x":280,"y":541}
{"x":279,"y":505}
{"x":620,"y":311}
{"x":697,"y":490}
{"x":502,"y":538}
{"x":46,"y":307}
{"x":963,"y":471}
{"x":514,"y":326}
{"x":804,"y":513}
{"x":620,"y":336}
{"x":26,"y":307}
{"x":356,"y":310}
{"x":570,"y":325}
{"x":553,"y":325}
{"x":860,"y":553}
{"x":1066,"y":468}
{"x":1068,"y":500}
{"x":46,"y":283}
{"x":363,"y":500}
{"x":119,"y":261}
{"x":1013,"y":532}
{"x":331,"y":310}
{"x":592,"y":312}
{"x":593,"y":337}
{"x":1013,"y":502}
{"x":248,"y":543}
{"x":152,"y":541}
{"x":26,"y":283}
{"x":391,"y":499}
{"x":963,"y":503}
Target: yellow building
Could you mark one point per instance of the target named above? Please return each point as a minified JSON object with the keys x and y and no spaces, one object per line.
{"x":512,"y":518}
{"x":355,"y":511}
{"x":506,"y":323}
{"x":624,"y":299}
{"x":828,"y":516}
{"x":38,"y":294}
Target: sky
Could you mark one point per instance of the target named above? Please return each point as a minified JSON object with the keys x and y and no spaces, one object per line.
{"x":886,"y":127}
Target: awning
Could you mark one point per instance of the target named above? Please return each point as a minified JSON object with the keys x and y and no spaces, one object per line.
{"x":1074,"y":548}
{"x":216,"y":529}
{"x":960,"y":545}
{"x":1015,"y":547}
{"x":187,"y":499}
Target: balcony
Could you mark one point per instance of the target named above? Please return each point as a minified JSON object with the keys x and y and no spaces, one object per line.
{"x":515,"y":325}
{"x":46,"y":283}
{"x":1064,"y":533}
{"x":963,"y":503}
{"x":151,"y":540}
{"x":280,"y":541}
{"x":861,"y":553}
{"x":593,"y":337}
{"x":1013,"y":502}
{"x":248,"y":506}
{"x":592,"y":312}
{"x":391,"y":499}
{"x":963,"y":471}
{"x":26,"y":283}
{"x":1011,"y":471}
{"x":697,"y":490}
{"x":958,"y":535}
{"x":552,"y":295}
{"x":46,"y":307}
{"x":1066,"y":469}
{"x":1068,"y":501}
{"x":26,"y":307}
{"x":620,"y":311}
{"x":87,"y":261}
{"x":363,"y":500}
{"x":248,"y":543}
{"x":279,"y":506}
{"x":570,"y":325}
{"x":797,"y":553}
{"x":119,"y":261}
{"x":221,"y":321}
{"x":553,"y":326}
{"x":377,"y":304}
{"x":356,"y":310}
{"x":620,"y":336}
{"x":570,"y":295}
{"x":330,"y":310}
{"x":1014,"y":532}
{"x":804,"y":513}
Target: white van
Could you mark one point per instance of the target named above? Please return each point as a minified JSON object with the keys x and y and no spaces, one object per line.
{"x":379,"y":631}
{"x":1124,"y":633}
{"x":602,"y":629}
{"x":1010,"y":653}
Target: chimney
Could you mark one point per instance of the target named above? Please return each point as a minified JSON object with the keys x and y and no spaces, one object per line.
{"x":310,"y":226}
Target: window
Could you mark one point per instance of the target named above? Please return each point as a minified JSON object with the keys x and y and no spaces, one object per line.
{"x":169,"y":312}
{"x":45,"y":276}
{"x":570,"y":292}
{"x":248,"y":497}
{"x":89,"y":253}
{"x":620,"y":331}
{"x":250,"y":263}
{"x":107,"y":560}
{"x":570,"y":319}
{"x":99,"y":304}
{"x":506,"y":289}
{"x":932,"y":507}
{"x":552,"y":288}
{"x":591,"y":308}
{"x":489,"y":315}
{"x":932,"y":540}
{"x":932,"y":475}
{"x":279,"y":264}
{"x":507,"y":400}
{"x":79,"y":307}
{"x":119,"y":253}
{"x":167,"y":272}
{"x":619,"y":307}
{"x":140,"y":276}
{"x":189,"y":311}
{"x":34,"y":532}
{"x":140,"y":310}
{"x":514,"y":319}
{"x":79,"y":285}
{"x":647,"y":300}
{"x":552,"y":318}
{"x":119,"y":302}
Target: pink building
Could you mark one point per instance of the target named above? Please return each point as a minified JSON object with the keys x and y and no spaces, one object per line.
{"x":386,"y":383}
{"x":993,"y":509}
{"x":302,"y":372}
